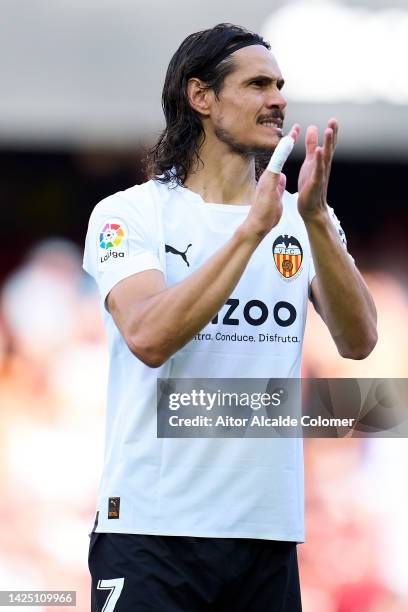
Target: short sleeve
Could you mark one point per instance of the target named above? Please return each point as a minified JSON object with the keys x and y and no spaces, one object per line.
{"x":342,"y":236}
{"x":121,"y":240}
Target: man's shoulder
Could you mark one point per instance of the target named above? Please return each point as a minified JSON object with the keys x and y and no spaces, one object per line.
{"x":137,"y":192}
{"x":135,"y":199}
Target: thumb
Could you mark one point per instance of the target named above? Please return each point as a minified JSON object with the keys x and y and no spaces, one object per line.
{"x":272,"y":180}
{"x":281,"y":184}
{"x":269,"y":182}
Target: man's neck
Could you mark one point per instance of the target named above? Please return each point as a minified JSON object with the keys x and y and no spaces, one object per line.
{"x":223,"y":177}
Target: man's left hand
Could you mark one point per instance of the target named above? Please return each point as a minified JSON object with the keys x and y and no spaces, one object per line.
{"x":315,"y":172}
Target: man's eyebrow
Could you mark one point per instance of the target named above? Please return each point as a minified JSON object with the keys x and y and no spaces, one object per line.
{"x":267,"y":78}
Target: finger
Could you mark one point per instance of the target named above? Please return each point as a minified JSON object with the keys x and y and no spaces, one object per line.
{"x":328,"y":148}
{"x":333,"y":124}
{"x":280,"y":155}
{"x":318,"y":173}
{"x":294,"y":131}
{"x":282,"y":184}
{"x":268,"y":183}
{"x":311,"y":140}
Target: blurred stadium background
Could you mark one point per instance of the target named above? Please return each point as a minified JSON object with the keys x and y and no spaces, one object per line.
{"x":80,"y":103}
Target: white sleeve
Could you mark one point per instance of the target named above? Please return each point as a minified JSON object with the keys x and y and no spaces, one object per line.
{"x":121,"y":240}
{"x":342,"y":236}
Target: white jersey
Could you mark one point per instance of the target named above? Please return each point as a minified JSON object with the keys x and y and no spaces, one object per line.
{"x":242,"y":488}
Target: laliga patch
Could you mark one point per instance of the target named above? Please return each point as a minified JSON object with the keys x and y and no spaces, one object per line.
{"x":113,"y":507}
{"x":288,"y":256}
{"x":112,"y":242}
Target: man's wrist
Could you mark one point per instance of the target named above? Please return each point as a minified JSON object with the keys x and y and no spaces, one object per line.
{"x":318,"y":219}
{"x":248,"y":234}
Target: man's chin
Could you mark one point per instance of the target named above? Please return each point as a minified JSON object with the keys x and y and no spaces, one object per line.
{"x":266,"y":148}
{"x":259,"y":147}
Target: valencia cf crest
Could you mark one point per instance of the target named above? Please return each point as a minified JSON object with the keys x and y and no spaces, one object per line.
{"x":288,"y":256}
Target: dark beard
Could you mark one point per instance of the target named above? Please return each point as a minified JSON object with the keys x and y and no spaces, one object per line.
{"x":262,"y":155}
{"x":261,"y":162}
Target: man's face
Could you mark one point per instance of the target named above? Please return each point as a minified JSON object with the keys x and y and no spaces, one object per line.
{"x":249,"y":114}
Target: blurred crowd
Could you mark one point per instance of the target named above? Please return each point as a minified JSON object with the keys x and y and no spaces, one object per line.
{"x":53,"y":373}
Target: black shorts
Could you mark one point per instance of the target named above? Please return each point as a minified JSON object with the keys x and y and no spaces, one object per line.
{"x":143,"y":573}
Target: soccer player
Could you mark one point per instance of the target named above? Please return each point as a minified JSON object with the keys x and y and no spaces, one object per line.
{"x":201,"y":250}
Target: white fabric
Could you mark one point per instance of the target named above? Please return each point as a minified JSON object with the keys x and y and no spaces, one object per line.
{"x":281,"y":154}
{"x":250,"y":488}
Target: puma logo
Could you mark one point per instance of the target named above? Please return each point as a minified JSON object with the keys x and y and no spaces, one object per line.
{"x":170,"y":249}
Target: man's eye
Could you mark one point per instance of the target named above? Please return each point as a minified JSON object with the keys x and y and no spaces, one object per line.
{"x":257,"y":83}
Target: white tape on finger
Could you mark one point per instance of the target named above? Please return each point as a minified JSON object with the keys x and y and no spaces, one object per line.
{"x":280,"y":155}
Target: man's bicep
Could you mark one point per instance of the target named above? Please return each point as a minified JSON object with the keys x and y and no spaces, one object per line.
{"x":129,"y":294}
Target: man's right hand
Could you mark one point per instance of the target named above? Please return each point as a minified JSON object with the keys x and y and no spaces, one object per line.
{"x":266,"y":209}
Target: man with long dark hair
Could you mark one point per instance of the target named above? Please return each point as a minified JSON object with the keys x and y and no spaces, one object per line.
{"x":212,"y":245}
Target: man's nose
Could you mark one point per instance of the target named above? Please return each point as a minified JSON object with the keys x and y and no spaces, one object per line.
{"x":276,"y":99}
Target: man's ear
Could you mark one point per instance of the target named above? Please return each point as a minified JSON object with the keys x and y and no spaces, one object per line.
{"x":199,"y":96}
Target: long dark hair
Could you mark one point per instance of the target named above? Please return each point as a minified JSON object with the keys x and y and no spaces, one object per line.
{"x":177,"y":149}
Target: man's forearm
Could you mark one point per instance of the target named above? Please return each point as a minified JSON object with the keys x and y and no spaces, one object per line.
{"x":168,"y":320}
{"x":342,"y":295}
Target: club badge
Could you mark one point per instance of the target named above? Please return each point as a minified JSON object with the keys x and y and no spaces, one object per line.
{"x":288,"y":256}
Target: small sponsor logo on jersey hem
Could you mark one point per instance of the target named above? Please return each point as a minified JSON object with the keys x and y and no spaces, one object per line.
{"x":113,"y":507}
